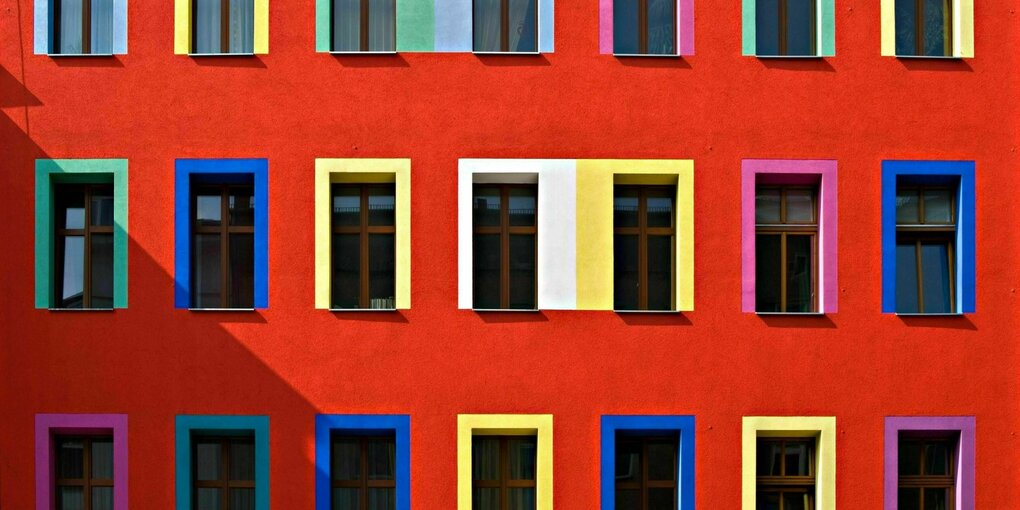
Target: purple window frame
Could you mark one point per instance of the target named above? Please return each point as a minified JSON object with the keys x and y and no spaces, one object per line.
{"x":792,"y":171}
{"x":49,"y":425}
{"x":965,"y":425}
{"x":684,"y":27}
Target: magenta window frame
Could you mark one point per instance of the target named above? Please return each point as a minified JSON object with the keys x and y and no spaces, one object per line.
{"x":48,"y":425}
{"x":965,"y":425}
{"x":792,"y":171}
{"x":684,"y":27}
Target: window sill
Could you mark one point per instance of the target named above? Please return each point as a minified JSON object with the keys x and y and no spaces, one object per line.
{"x":641,"y":55}
{"x":647,"y":311}
{"x":221,"y":309}
{"x":221,"y":54}
{"x":59,"y":55}
{"x":488,"y":53}
{"x":792,"y":57}
{"x":505,"y":310}
{"x":360,"y":310}
{"x":930,"y":57}
{"x":355,"y":52}
{"x":81,"y":309}
{"x":792,"y":314}
{"x":940,"y":314}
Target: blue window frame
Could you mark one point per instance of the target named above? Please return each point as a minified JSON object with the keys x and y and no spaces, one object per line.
{"x":58,"y":27}
{"x":188,"y":426}
{"x":190,"y":171}
{"x":362,"y":425}
{"x":649,"y":426}
{"x":956,"y":175}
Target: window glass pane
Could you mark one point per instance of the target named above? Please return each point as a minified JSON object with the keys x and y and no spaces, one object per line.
{"x":242,"y":26}
{"x":487,"y":25}
{"x":208,"y":210}
{"x":768,"y":501}
{"x":661,"y":499}
{"x":628,"y":460}
{"x":768,"y":276}
{"x":381,"y":25}
{"x":70,"y":26}
{"x":625,"y":26}
{"x":660,"y":209}
{"x":485,"y":499}
{"x":522,"y":206}
{"x":102,"y":30}
{"x":660,"y":272}
{"x":382,"y":499}
{"x":207,"y":26}
{"x":661,"y":20}
{"x":345,"y":499}
{"x":207,"y":461}
{"x":936,"y":499}
{"x":346,"y":459}
{"x":70,"y":459}
{"x":628,"y":499}
{"x":73,"y":268}
{"x":800,"y":205}
{"x":799,"y":288}
{"x":798,"y":458}
{"x":909,"y":458}
{"x":486,"y":206}
{"x":207,"y":499}
{"x":72,"y":203}
{"x":907,"y":210}
{"x":71,"y":498}
{"x":935,"y":36}
{"x":382,"y":459}
{"x":242,"y":271}
{"x":625,"y":269}
{"x":485,"y":458}
{"x":381,"y":271}
{"x":908,"y":499}
{"x":938,"y":206}
{"x":906,"y":278}
{"x":935,"y":269}
{"x":101,"y":269}
{"x":625,"y":207}
{"x":906,"y":27}
{"x":767,"y":205}
{"x":797,"y":501}
{"x":522,"y":458}
{"x":767,"y":27}
{"x":522,"y":271}
{"x":346,"y":206}
{"x":102,"y":459}
{"x":522,"y":498}
{"x":381,"y":205}
{"x":346,"y":285}
{"x":936,"y":456}
{"x":800,"y":29}
{"x":770,"y":458}
{"x":242,"y":499}
{"x":102,"y":206}
{"x":661,"y":461}
{"x":523,"y":25}
{"x":346,"y":25}
{"x":242,"y":460}
{"x":102,"y":498}
{"x":486,"y":271}
{"x":241,"y":206}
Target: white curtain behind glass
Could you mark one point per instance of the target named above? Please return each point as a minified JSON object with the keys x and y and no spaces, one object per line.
{"x":102,"y":26}
{"x":69,"y":37}
{"x":381,"y":23}
{"x":487,"y":25}
{"x":242,"y":26}
{"x":347,"y":25}
{"x":207,"y":26}
{"x":522,"y":25}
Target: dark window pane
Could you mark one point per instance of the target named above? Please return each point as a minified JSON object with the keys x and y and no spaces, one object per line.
{"x":70,"y":23}
{"x":242,"y":271}
{"x":382,"y":499}
{"x":241,"y":207}
{"x":907,"y":207}
{"x":381,"y":206}
{"x":906,"y":278}
{"x":382,"y":21}
{"x":625,"y":207}
{"x":207,"y":499}
{"x":346,"y":25}
{"x":908,"y":499}
{"x":102,"y":28}
{"x":346,"y":270}
{"x":799,"y":288}
{"x":522,"y":271}
{"x":102,"y":271}
{"x":242,"y":499}
{"x":625,"y":28}
{"x":661,"y":20}
{"x":936,"y":499}
{"x":486,"y":206}
{"x":936,"y":38}
{"x":522,"y":206}
{"x":660,"y":272}
{"x":800,"y":205}
{"x":242,"y":26}
{"x":768,"y":275}
{"x":102,"y":459}
{"x":800,"y":28}
{"x":102,"y":498}
{"x":71,"y":208}
{"x":798,"y":458}
{"x":523,"y":25}
{"x":487,"y":25}
{"x":345,"y":499}
{"x":486,"y":271}
{"x":770,"y":458}
{"x":70,"y":498}
{"x":207,"y":461}
{"x":102,"y":207}
{"x":936,"y":456}
{"x":660,"y":210}
{"x":381,"y":459}
{"x":628,"y":499}
{"x":485,"y":458}
{"x":242,"y":461}
{"x":70,"y":459}
{"x":628,"y":460}
{"x":767,"y":204}
{"x":73,"y":268}
{"x":661,"y":499}
{"x":909,"y":458}
{"x":208,"y":210}
{"x":522,"y":498}
{"x":346,"y":206}
{"x":522,"y":458}
{"x":906,"y":28}
{"x":938,"y":206}
{"x":381,"y":271}
{"x":346,"y":462}
{"x":767,"y":27}
{"x":768,"y":501}
{"x":485,"y":499}
{"x":935,"y":269}
{"x":661,"y":461}
{"x":207,"y":26}
{"x":625,"y":269}
{"x":797,"y":501}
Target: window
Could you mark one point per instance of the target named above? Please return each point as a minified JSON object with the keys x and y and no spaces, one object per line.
{"x":925,"y":236}
{"x":223,"y":26}
{"x":503,"y":472}
{"x":84,"y":246}
{"x":223,"y":259}
{"x":646,"y":472}
{"x":786,"y":27}
{"x":364,"y":25}
{"x":222,"y":462}
{"x":363,"y":471}
{"x":83,"y":26}
{"x":924,"y":27}
{"x":927,"y":478}
{"x":644,"y":247}
{"x":644,"y":27}
{"x":363,"y":245}
{"x":506,"y":26}
{"x":84,"y":477}
{"x":81,"y":461}
{"x":786,"y":247}
{"x":786,"y":473}
{"x":505,"y":247}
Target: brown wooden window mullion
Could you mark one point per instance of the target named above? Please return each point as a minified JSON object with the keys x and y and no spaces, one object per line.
{"x":782,"y":28}
{"x":86,"y":29}
{"x":504,"y":246}
{"x":642,"y":26}
{"x":224,"y":26}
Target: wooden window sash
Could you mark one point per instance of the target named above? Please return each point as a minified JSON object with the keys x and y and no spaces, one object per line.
{"x":786,"y":228}
{"x":643,"y":231}
{"x":947,"y":27}
{"x":784,"y":28}
{"x":922,"y":233}
{"x":224,"y":25}
{"x":87,"y":482}
{"x":783,"y":483}
{"x":504,"y":24}
{"x":88,"y":190}
{"x":923,"y":481}
{"x":86,"y":26}
{"x":364,"y":231}
{"x":646,"y":484}
{"x":362,"y":483}
{"x":505,"y":230}
{"x":505,"y":482}
{"x":224,"y":229}
{"x":224,"y":483}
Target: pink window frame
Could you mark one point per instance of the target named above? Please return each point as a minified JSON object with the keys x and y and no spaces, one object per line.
{"x":49,"y":425}
{"x":684,"y":27}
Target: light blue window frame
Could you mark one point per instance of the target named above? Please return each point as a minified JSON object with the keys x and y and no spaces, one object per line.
{"x":43,"y":25}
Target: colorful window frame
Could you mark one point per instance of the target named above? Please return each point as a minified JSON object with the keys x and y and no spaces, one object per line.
{"x":821,"y":427}
{"x":539,"y":425}
{"x":684,"y":27}
{"x":684,"y":425}
{"x":183,"y":28}
{"x":219,"y":169}
{"x":595,"y":181}
{"x":330,"y":171}
{"x":186,"y":425}
{"x":49,"y":425}
{"x":42,"y":29}
{"x":826,"y":33}
{"x":362,"y":424}
{"x":86,"y":171}
{"x":965,"y":458}
{"x":790,"y":171}
{"x":963,"y":29}
{"x":933,"y":172}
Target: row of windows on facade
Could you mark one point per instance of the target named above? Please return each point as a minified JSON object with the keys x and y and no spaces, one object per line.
{"x":505,"y":228}
{"x":640,"y":27}
{"x":363,"y":465}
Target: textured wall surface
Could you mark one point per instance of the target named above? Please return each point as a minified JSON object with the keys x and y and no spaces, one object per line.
{"x":433,"y":361}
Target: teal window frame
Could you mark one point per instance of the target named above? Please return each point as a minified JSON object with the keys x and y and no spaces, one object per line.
{"x":826,"y":44}
{"x":187,"y":426}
